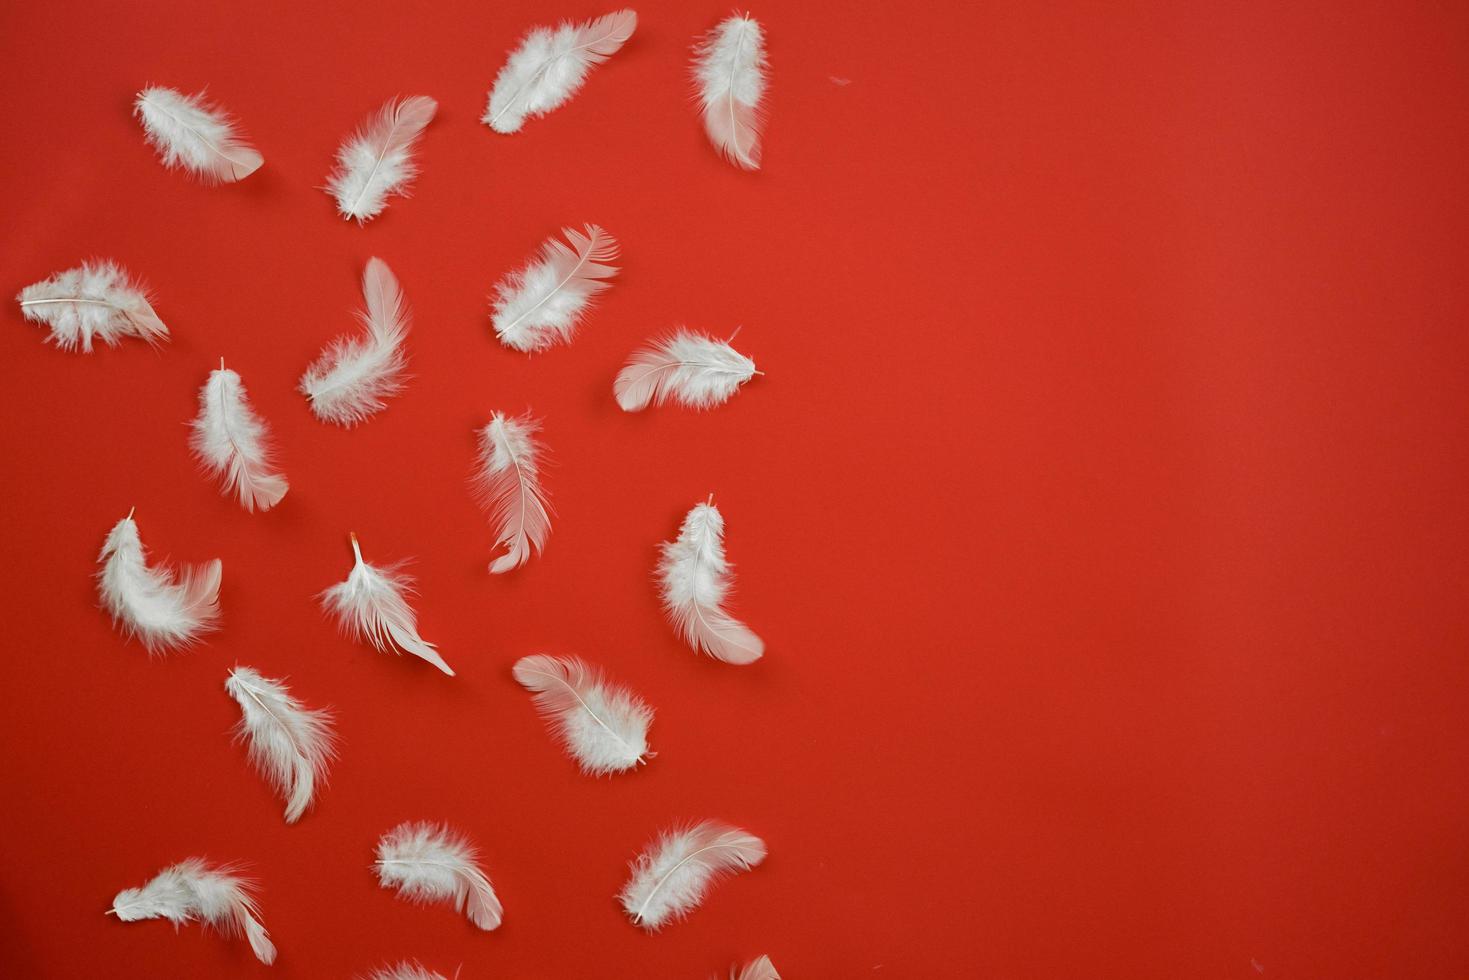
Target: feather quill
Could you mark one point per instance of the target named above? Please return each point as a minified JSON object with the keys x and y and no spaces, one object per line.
{"x":405,"y":971}
{"x":371,"y":605}
{"x":604,"y":726}
{"x":427,"y":863}
{"x":541,"y":304}
{"x":163,"y":609}
{"x":695,"y":578}
{"x":377,"y":161}
{"x":550,"y":65}
{"x":96,"y":300}
{"x":729,"y":69}
{"x":290,"y":744}
{"x":231,"y":441}
{"x":507,"y":481}
{"x":190,"y":133}
{"x":352,"y":378}
{"x":690,"y":368}
{"x":192,"y":891}
{"x":672,"y":875}
{"x":759,"y":968}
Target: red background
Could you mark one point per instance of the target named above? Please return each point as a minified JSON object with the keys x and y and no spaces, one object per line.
{"x":1102,"y":505}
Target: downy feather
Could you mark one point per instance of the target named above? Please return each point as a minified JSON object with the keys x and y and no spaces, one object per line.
{"x":352,"y":378}
{"x":690,"y":368}
{"x":371,"y":605}
{"x":759,"y":968}
{"x":190,"y":133}
{"x":541,"y":304}
{"x":729,"y":70}
{"x":376,"y":161}
{"x":192,"y":891}
{"x":96,"y":300}
{"x":404,"y":971}
{"x":231,"y":441}
{"x":672,"y":875}
{"x":550,"y":65}
{"x":695,"y":579}
{"x":507,"y":480}
{"x":290,"y":744}
{"x":429,"y":863}
{"x":163,"y":609}
{"x":603,"y":725}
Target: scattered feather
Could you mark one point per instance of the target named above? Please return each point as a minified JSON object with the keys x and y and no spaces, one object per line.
{"x":759,"y":968}
{"x":404,"y":971}
{"x":672,"y":875}
{"x":541,"y":304}
{"x":729,"y":69}
{"x":690,"y":368}
{"x":96,"y":300}
{"x":604,"y":726}
{"x":192,"y":891}
{"x":190,"y":133}
{"x":353,"y":378}
{"x":163,"y":609}
{"x":507,"y":481}
{"x":371,"y":605}
{"x":550,"y":65}
{"x":377,"y":161}
{"x":695,"y":579}
{"x":427,"y":864}
{"x":231,"y":441}
{"x":290,"y":744}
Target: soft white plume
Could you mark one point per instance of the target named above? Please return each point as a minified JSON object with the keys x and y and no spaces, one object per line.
{"x":428,"y":863}
{"x":192,"y":891}
{"x":404,"y":971}
{"x":96,"y":300}
{"x":541,"y":304}
{"x":603,"y":725}
{"x":290,"y":744}
{"x":729,"y":69}
{"x":759,"y":968}
{"x":371,"y":605}
{"x":670,"y":878}
{"x":161,"y":608}
{"x":190,"y":133}
{"x":550,"y":65}
{"x":354,"y":375}
{"x":233,"y":443}
{"x":695,"y":578}
{"x":507,"y":480}
{"x":376,"y":161}
{"x":690,"y":368}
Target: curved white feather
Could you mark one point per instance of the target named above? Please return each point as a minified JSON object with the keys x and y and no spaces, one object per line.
{"x":190,"y":133}
{"x":96,"y":300}
{"x":672,"y":875}
{"x":231,"y":441}
{"x":541,"y":304}
{"x":729,"y":69}
{"x":430,"y":863}
{"x":377,"y":161}
{"x":759,"y":968}
{"x":290,"y":744}
{"x":404,"y":971}
{"x":603,"y":725}
{"x":507,"y":481}
{"x":695,"y":579}
{"x":353,"y":377}
{"x":690,"y":368}
{"x":550,"y":65}
{"x":162,"y":609}
{"x":192,"y":891}
{"x":370,"y":606}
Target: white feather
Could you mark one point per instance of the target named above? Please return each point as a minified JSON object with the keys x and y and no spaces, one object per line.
{"x":404,"y":971}
{"x":541,"y":304}
{"x":376,"y":161}
{"x":729,"y":69}
{"x":290,"y":744}
{"x":428,"y":863}
{"x":550,"y":65}
{"x":192,"y":891}
{"x":163,"y":609}
{"x":604,"y":726}
{"x":353,"y":376}
{"x":507,"y":481}
{"x":670,"y":878}
{"x":690,"y":368}
{"x":231,"y":441}
{"x":96,"y":300}
{"x":695,"y":578}
{"x":371,"y":605}
{"x":190,"y":133}
{"x":759,"y":968}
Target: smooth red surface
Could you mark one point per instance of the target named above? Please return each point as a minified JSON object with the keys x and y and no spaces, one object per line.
{"x":1102,"y":504}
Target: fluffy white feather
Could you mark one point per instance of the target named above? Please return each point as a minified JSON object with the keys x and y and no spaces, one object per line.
{"x":289,"y":743}
{"x":232,"y":442}
{"x":428,"y":863}
{"x":690,"y":368}
{"x":550,"y":65}
{"x":541,"y":304}
{"x":192,"y":891}
{"x":507,"y":480}
{"x":353,"y":377}
{"x":759,"y":968}
{"x":96,"y":300}
{"x":162,"y":608}
{"x":190,"y":133}
{"x":695,"y":579}
{"x":672,"y":875}
{"x":371,"y":605}
{"x":729,"y":69}
{"x":404,"y":971}
{"x":603,"y":725}
{"x":377,"y":160}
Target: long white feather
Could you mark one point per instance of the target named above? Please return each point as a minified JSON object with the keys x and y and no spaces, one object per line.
{"x":162,"y":608}
{"x":603,"y":725}
{"x":695,"y":578}
{"x":192,"y":891}
{"x":232,"y":442}
{"x":672,"y":875}
{"x":190,"y":133}
{"x":729,"y":69}
{"x":429,"y":863}
{"x":759,"y":968}
{"x":550,"y":65}
{"x":289,"y":743}
{"x":541,"y":304}
{"x":353,"y":377}
{"x":377,"y":161}
{"x":96,"y":300}
{"x":690,"y":368}
{"x":370,"y":605}
{"x":507,"y":480}
{"x":404,"y":971}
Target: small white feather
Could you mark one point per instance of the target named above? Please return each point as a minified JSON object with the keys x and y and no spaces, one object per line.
{"x":428,"y":863}
{"x":190,"y":133}
{"x":371,"y":605}
{"x":232,"y":443}
{"x":690,"y":368}
{"x":729,"y":70}
{"x":377,"y":160}
{"x":192,"y":891}
{"x":603,"y":725}
{"x":353,"y":377}
{"x":695,"y":578}
{"x":550,"y":65}
{"x":290,"y":744}
{"x":404,"y":971}
{"x":673,"y":874}
{"x":541,"y":304}
{"x":163,"y":609}
{"x":507,"y":480}
{"x":759,"y":968}
{"x":96,"y":300}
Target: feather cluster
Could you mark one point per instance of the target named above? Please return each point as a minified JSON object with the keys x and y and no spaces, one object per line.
{"x":507,"y":481}
{"x":542,"y":303}
{"x":377,"y":161}
{"x":163,"y":609}
{"x":289,"y":743}
{"x":353,"y":377}
{"x":603,"y":726}
{"x":695,"y":577}
{"x":429,"y":864}
{"x":550,"y":65}
{"x":187,"y":132}
{"x":232,"y":443}
{"x":192,"y":891}
{"x":729,"y":70}
{"x":405,"y":971}
{"x":759,"y":968}
{"x":94,"y":301}
{"x":371,"y":605}
{"x":687,"y":367}
{"x":672,"y":875}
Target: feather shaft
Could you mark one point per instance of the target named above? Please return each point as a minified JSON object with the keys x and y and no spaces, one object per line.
{"x":371,"y":606}
{"x":696,"y":578}
{"x":729,"y":70}
{"x":672,"y":875}
{"x":603,"y":726}
{"x":507,"y":482}
{"x":96,"y":300}
{"x":232,"y":443}
{"x":352,"y":378}
{"x":429,"y":863}
{"x":187,"y":132}
{"x":549,"y":67}
{"x":292,"y":745}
